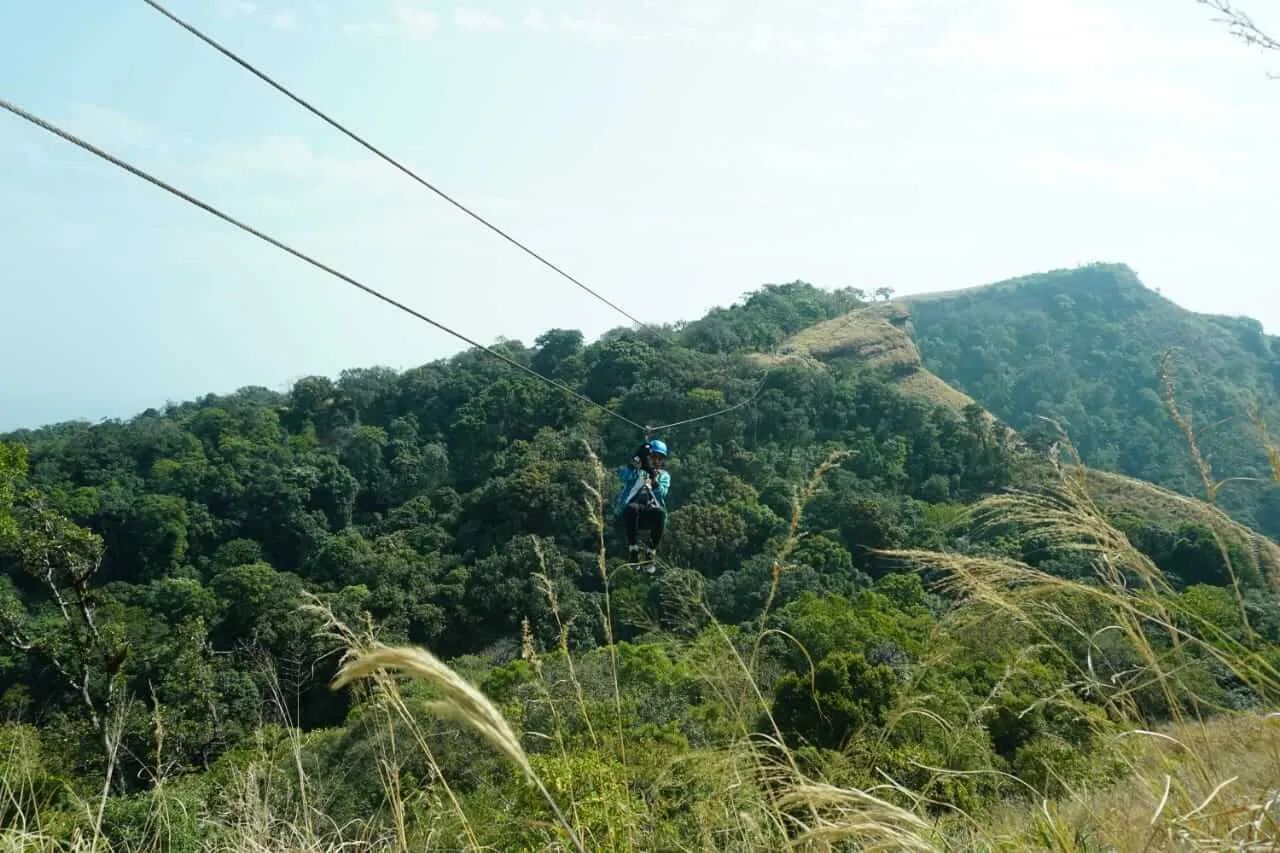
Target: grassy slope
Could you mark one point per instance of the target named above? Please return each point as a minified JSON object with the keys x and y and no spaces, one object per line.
{"x":1117,"y":493}
{"x":1192,"y":786}
{"x":876,"y":336}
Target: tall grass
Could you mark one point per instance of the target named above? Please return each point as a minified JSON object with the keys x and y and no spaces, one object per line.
{"x":582,"y":773}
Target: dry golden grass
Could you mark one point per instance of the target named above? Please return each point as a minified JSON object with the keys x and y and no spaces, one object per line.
{"x":873,"y":335}
{"x":1270,"y":447}
{"x":1193,"y":785}
{"x":1207,"y":786}
{"x":1119,"y":493}
{"x":866,"y":333}
{"x":462,"y":703}
{"x":933,"y":390}
{"x":857,"y":816}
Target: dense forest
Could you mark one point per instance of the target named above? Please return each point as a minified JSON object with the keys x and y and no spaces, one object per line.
{"x":849,"y":589}
{"x":1084,"y":347}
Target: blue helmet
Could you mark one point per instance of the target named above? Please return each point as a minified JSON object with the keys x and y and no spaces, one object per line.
{"x":658,"y":446}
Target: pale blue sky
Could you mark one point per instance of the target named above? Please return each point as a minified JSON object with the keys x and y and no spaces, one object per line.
{"x":674,"y":154}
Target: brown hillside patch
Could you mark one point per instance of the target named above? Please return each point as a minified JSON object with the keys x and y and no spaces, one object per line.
{"x":1118,"y":493}
{"x":876,"y":336}
{"x":868,"y":334}
{"x":1227,"y":766}
{"x":928,"y":386}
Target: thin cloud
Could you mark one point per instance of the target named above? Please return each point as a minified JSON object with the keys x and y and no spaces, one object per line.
{"x":272,"y":163}
{"x":286,"y":20}
{"x":895,"y":13}
{"x":1130,"y":97}
{"x":1062,"y":37}
{"x":1165,"y":171}
{"x":818,"y":33}
{"x":594,"y":27}
{"x":291,"y":162}
{"x":113,"y":130}
{"x":767,"y":39}
{"x":415,"y":24}
{"x":475,"y":19}
{"x":792,"y":161}
{"x":373,"y":28}
{"x":536,"y":20}
{"x":838,"y":37}
{"x":849,"y":46}
{"x":237,"y":7}
{"x":26,"y":146}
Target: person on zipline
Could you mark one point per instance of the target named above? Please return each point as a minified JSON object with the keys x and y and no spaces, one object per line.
{"x":643,"y":499}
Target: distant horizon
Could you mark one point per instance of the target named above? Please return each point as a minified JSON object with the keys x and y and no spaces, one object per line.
{"x":283,"y":386}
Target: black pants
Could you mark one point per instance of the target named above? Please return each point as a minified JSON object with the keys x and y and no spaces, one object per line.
{"x":634,"y":517}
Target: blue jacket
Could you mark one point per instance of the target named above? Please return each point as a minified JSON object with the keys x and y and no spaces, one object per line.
{"x":632,"y":479}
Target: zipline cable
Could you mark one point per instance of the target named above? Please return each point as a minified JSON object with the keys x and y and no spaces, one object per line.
{"x":724,"y":411}
{"x":75,"y":140}
{"x":406,"y":170}
{"x":137,"y":172}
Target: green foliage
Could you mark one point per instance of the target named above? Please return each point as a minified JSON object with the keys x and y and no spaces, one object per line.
{"x":845,"y":695}
{"x":13,"y":466}
{"x":418,"y":493}
{"x":766,"y":317}
{"x":164,"y":583}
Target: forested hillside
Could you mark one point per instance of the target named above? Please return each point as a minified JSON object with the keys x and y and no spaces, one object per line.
{"x":842,"y":597}
{"x":1084,"y":347}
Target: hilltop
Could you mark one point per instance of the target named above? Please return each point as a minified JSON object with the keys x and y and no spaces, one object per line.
{"x":1083,"y":347}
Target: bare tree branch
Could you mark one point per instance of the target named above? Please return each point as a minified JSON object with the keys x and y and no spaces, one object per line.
{"x":1240,"y":25}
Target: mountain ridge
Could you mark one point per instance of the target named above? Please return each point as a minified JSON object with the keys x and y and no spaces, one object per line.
{"x":1126,"y":279}
{"x":1085,"y":348}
